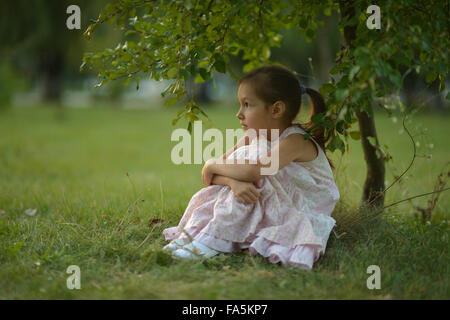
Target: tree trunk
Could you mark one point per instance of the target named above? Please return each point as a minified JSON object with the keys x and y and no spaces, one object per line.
{"x":374,"y":185}
{"x":51,"y":66}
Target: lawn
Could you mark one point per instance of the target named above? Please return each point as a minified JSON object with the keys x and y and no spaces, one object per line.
{"x":99,"y":177}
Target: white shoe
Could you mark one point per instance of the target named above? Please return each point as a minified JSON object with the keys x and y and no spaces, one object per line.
{"x":194,"y":250}
{"x":175,"y":244}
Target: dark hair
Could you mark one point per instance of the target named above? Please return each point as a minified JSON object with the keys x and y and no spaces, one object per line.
{"x":276,"y":83}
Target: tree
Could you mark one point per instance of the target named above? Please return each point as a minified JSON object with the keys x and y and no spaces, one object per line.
{"x":35,"y":37}
{"x":181,"y":39}
{"x":35,"y":31}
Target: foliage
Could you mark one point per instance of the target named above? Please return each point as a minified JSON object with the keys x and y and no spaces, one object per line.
{"x":175,"y":40}
{"x":376,"y":66}
{"x":36,"y":42}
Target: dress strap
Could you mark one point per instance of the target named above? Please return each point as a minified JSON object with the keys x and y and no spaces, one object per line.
{"x":291,"y":130}
{"x":297,"y":129}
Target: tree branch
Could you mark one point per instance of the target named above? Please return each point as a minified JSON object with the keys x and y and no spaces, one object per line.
{"x":419,"y":195}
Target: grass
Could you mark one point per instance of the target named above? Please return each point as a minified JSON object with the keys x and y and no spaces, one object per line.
{"x":98,"y":178}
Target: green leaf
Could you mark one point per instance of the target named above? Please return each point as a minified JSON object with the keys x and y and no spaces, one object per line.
{"x":310,"y":33}
{"x":341,"y":94}
{"x":336,"y":143}
{"x":378,"y":153}
{"x":184,"y":73}
{"x":100,"y":84}
{"x":372,"y":140}
{"x":198,"y":79}
{"x":172,"y":72}
{"x":220,"y":66}
{"x":396,"y":79}
{"x":340,"y":126}
{"x":355,"y":135}
{"x":352,"y":72}
{"x":180,"y":112}
{"x":204,"y":74}
{"x":127,"y":81}
{"x":336,"y":69}
{"x":317,"y":118}
{"x":204,"y":114}
{"x":326,"y":88}
{"x":170,"y":102}
{"x":167,"y":90}
{"x":431,"y":76}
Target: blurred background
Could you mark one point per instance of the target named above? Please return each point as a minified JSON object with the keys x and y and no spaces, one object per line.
{"x":55,"y":125}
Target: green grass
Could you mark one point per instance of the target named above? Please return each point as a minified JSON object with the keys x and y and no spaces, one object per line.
{"x":99,"y":176}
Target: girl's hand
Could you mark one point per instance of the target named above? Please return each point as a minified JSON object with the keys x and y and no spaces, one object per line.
{"x":207,"y":173}
{"x":244,"y":191}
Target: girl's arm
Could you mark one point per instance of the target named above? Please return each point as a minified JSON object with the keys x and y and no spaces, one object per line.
{"x":245,"y":192}
{"x":241,"y":172}
{"x":244,"y":140}
{"x":292,"y":148}
{"x":222,"y":180}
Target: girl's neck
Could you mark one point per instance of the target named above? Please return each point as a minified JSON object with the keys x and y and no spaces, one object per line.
{"x":280,"y":128}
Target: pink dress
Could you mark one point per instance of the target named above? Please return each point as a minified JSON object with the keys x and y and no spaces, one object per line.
{"x":290,"y":222}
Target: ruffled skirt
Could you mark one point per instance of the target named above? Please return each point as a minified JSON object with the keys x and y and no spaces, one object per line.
{"x":272,"y":227}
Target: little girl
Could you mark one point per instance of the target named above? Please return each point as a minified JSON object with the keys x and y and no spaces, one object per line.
{"x":286,"y":216}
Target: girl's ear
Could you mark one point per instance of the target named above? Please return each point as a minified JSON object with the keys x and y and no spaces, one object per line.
{"x":278,"y":109}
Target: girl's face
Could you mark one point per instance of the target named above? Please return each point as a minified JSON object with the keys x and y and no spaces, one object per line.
{"x":252,"y":112}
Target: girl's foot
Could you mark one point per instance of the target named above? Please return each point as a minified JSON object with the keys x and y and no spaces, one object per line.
{"x":194,"y":250}
{"x":175,"y":244}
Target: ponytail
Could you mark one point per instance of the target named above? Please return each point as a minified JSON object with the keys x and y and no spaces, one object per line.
{"x":318,"y":106}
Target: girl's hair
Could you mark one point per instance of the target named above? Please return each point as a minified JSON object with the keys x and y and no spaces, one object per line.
{"x":275,"y":83}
